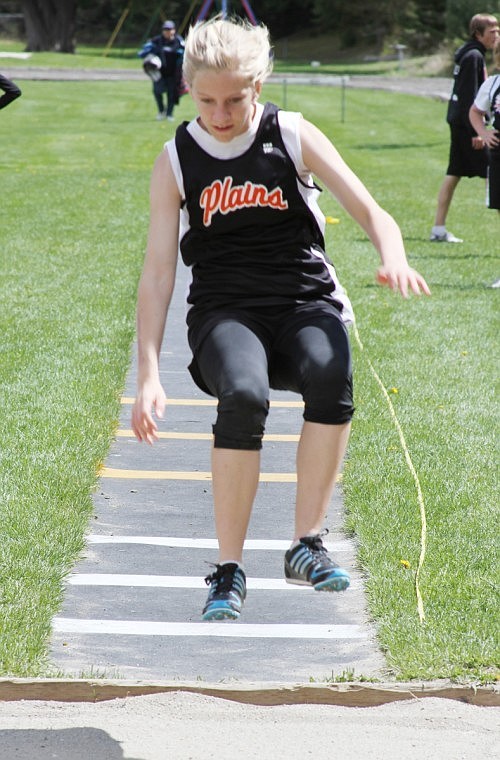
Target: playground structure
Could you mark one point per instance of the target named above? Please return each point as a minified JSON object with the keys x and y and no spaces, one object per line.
{"x":224,"y":9}
{"x":221,"y":6}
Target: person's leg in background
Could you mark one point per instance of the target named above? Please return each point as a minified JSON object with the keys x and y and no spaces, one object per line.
{"x":171,"y":90}
{"x":158,"y":90}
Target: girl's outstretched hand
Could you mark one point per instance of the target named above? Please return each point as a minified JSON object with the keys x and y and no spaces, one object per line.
{"x":151,"y":396}
{"x":403,"y":279}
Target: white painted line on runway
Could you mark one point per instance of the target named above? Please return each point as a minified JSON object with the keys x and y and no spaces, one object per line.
{"x":210,"y":402}
{"x":209,"y":543}
{"x":174,"y":581}
{"x":229,"y":629}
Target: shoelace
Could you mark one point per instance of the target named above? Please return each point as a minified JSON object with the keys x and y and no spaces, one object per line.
{"x":315,"y":543}
{"x":223,"y":578}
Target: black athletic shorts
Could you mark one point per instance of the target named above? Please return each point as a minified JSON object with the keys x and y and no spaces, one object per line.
{"x":301,"y":347}
{"x":493,"y":192}
{"x":464,"y":161}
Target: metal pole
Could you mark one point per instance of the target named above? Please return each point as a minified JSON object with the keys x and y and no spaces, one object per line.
{"x":116,"y":30}
{"x":342,"y":99}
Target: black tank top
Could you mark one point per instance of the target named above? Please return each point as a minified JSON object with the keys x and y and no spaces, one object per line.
{"x":252,"y":239}
{"x":495,"y":104}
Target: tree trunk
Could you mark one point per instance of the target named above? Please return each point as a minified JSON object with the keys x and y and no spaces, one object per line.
{"x":50,"y":25}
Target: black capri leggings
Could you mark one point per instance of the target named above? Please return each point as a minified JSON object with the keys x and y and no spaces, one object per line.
{"x":238,"y":357}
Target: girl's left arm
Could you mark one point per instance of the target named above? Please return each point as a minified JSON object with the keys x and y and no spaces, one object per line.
{"x":324,"y":161}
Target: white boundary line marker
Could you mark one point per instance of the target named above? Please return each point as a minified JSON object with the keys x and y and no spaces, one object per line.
{"x":209,"y":543}
{"x":174,"y":581}
{"x":238,"y":630}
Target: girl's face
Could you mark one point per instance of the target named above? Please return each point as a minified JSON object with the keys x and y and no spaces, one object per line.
{"x":225,"y":102}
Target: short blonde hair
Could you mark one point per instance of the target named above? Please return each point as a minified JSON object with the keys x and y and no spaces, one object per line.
{"x":228,"y":45}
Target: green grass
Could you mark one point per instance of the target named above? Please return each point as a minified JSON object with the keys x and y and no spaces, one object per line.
{"x":440,"y":355}
{"x":74,"y":182}
{"x":86,"y":57}
{"x":290,"y":59}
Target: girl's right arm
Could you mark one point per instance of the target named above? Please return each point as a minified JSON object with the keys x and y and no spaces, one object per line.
{"x":488,"y":136}
{"x":154,"y":294}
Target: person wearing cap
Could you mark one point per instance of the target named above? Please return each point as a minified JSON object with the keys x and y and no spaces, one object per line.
{"x":168,"y":47}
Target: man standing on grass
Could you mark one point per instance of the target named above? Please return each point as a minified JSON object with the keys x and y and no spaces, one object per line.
{"x":468,"y":153}
{"x":168,"y":50}
{"x":11,"y":91}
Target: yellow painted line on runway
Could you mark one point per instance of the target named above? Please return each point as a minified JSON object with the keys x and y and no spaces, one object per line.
{"x":201,"y":436}
{"x":265,"y":477}
{"x":212,"y":402}
{"x":177,"y":401}
{"x":112,"y":472}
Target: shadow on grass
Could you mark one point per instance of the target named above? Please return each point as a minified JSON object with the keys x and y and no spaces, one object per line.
{"x":444,"y":253}
{"x":435,"y":285}
{"x":393,"y":146}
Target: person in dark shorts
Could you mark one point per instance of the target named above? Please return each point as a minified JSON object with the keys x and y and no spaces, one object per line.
{"x":487,"y":103}
{"x":266,"y":310}
{"x":468,"y":153}
{"x":11,"y":91}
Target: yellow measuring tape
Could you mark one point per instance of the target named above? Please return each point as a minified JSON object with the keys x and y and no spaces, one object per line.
{"x":420,"y":498}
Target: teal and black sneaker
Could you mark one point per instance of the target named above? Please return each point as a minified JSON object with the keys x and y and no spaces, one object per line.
{"x":228,"y":590}
{"x":308,"y":564}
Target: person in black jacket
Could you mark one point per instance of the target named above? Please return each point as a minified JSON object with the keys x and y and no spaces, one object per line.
{"x":468,"y":153}
{"x":11,"y":91}
{"x":166,"y":50}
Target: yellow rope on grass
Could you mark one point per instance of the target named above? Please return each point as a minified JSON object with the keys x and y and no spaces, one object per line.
{"x":420,"y":498}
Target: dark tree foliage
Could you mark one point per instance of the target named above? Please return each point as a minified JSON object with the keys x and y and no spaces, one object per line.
{"x":459,"y":12}
{"x":50,"y":25}
{"x":419,"y":24}
{"x":422,"y":25}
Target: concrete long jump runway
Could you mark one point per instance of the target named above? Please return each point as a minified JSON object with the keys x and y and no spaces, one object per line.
{"x":132,"y":606}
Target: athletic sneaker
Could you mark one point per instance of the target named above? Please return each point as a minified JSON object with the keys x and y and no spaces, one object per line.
{"x":308,"y":564}
{"x":445,"y":237}
{"x":227,"y":592}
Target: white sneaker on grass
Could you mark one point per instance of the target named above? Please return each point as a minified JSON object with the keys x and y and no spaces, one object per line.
{"x":444,"y":237}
